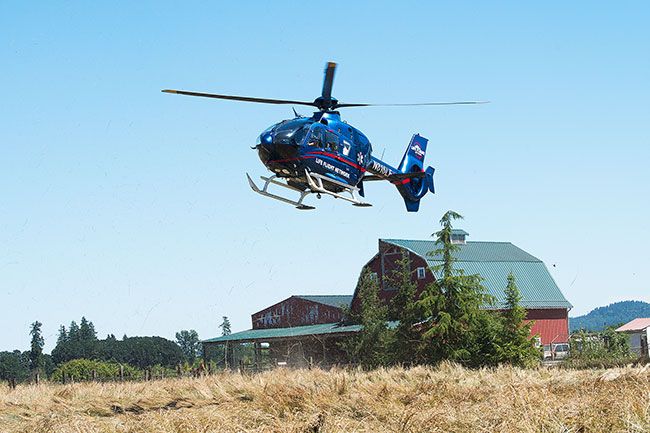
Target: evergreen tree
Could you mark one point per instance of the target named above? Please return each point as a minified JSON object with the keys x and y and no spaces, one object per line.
{"x":190,"y":344}
{"x":73,"y":332}
{"x":225,"y":326}
{"x":87,"y":346}
{"x":369,"y":347}
{"x":63,"y":335}
{"x":451,"y":307}
{"x":516,"y":347}
{"x":60,"y":353}
{"x":36,"y":347}
{"x":80,"y":341}
{"x":87,"y":330}
{"x":405,"y":345}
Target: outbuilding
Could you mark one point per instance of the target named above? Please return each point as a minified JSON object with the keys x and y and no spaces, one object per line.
{"x":638,"y":331}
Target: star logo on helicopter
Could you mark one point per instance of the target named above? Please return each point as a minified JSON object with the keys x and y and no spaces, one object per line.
{"x":360,"y":158}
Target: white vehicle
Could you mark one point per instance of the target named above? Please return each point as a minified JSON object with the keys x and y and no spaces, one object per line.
{"x":556,"y":351}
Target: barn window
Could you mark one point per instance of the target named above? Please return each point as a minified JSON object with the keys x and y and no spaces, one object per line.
{"x":421,"y":273}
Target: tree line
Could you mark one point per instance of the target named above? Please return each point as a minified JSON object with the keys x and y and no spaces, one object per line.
{"x":80,"y":353}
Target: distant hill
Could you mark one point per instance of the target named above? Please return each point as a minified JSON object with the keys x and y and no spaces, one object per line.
{"x":613,"y":314}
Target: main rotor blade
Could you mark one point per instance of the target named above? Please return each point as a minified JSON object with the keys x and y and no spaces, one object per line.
{"x":412,"y":105}
{"x":329,"y":80}
{"x":238,"y":98}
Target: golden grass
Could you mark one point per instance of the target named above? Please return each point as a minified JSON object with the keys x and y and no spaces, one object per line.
{"x":444,"y":399}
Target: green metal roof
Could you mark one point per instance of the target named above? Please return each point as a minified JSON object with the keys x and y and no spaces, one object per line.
{"x":298,"y":331}
{"x":459,"y":232}
{"x":472,"y":251}
{"x":493,"y":261}
{"x":332,"y":300}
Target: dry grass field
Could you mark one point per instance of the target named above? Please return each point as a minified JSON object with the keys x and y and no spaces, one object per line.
{"x":444,"y":399}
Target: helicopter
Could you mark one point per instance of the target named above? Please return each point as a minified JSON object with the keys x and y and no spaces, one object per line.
{"x":323,"y":154}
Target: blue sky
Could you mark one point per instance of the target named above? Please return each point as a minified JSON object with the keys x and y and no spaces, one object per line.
{"x":131,"y":207}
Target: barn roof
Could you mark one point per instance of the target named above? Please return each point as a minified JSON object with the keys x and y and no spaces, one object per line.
{"x":638,"y":324}
{"x":331,"y":300}
{"x":493,"y":261}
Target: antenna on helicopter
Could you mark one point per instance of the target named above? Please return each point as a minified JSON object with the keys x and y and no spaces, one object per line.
{"x":295,"y":113}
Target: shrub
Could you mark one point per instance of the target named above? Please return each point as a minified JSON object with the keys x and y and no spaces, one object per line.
{"x":82,"y":369}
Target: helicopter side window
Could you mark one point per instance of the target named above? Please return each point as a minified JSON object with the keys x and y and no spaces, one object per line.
{"x":346,"y":147}
{"x":316,"y":137}
{"x":299,"y":135}
{"x":332,"y":141}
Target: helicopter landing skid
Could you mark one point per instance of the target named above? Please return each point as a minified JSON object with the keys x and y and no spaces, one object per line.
{"x":317,"y":184}
{"x":273,"y":180}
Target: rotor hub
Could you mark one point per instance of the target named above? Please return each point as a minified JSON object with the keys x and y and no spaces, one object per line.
{"x":326,"y":104}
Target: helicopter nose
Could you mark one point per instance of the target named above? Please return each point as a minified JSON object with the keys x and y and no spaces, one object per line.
{"x":269,"y":152}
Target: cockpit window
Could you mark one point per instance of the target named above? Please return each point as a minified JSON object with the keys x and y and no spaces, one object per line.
{"x":291,"y":131}
{"x":299,"y":135}
{"x":316,"y":136}
{"x":290,"y":125}
{"x":332,"y":141}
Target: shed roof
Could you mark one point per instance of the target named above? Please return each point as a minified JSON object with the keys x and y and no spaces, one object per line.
{"x":294,"y":332}
{"x":638,"y":324}
{"x":297,"y":331}
{"x":493,"y":261}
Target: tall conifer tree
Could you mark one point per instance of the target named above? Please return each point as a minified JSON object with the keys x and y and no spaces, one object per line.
{"x":36,"y":349}
{"x":452,"y":305}
{"x":516,"y":346}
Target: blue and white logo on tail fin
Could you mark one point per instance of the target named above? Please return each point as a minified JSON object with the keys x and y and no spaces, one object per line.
{"x":413,"y":159}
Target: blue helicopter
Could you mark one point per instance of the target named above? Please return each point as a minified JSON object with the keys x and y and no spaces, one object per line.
{"x":322,"y":154}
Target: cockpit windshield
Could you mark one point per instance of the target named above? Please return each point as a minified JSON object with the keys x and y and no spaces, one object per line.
{"x":291,"y":131}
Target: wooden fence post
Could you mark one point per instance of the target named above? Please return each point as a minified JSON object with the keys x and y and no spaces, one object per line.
{"x":121,"y":373}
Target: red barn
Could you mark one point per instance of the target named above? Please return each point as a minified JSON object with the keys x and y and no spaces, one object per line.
{"x":305,"y":329}
{"x":493,"y":261}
